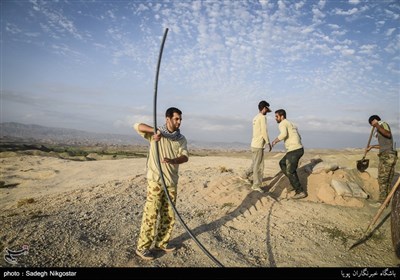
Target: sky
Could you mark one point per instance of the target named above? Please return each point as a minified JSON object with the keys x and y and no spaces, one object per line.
{"x":91,"y":65}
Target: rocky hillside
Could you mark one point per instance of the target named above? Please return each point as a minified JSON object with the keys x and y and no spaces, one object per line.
{"x":55,"y":135}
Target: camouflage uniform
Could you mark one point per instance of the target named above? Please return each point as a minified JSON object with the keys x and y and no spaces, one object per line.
{"x":387,"y":161}
{"x":157,"y":204}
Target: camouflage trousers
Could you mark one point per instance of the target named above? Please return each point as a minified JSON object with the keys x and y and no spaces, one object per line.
{"x":158,"y":217}
{"x":387,"y":162}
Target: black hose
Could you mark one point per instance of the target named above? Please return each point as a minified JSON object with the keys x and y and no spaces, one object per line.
{"x":159,"y":162}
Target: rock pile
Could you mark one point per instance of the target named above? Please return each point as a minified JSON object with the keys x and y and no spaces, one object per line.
{"x":329,"y":183}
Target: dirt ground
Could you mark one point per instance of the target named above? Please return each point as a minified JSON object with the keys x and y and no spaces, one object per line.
{"x":88,"y":214}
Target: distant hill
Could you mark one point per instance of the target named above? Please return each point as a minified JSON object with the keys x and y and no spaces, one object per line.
{"x":66,"y":136}
{"x":223,"y":146}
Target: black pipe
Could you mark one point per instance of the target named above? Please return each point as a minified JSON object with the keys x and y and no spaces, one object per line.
{"x":159,"y":162}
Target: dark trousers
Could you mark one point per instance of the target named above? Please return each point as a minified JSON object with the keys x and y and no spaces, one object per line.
{"x":289,"y":164}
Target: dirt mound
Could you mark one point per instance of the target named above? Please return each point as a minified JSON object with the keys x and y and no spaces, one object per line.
{"x":327,"y":182}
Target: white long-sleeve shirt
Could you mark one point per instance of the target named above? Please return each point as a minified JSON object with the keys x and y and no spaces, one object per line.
{"x":260,"y":132}
{"x":289,"y":134}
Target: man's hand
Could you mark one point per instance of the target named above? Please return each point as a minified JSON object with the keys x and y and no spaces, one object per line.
{"x":169,"y":160}
{"x":381,"y":129}
{"x":375,"y":123}
{"x":373,"y":147}
{"x":178,"y":160}
{"x":157,"y":136}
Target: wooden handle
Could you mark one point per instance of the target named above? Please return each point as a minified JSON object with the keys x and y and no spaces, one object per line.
{"x":369,"y":141}
{"x":384,"y":204}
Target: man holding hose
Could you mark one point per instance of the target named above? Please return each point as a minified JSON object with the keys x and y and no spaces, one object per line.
{"x":172,"y":151}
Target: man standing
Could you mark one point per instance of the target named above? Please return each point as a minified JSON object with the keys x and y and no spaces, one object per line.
{"x":289,"y":163}
{"x":387,"y":155}
{"x":172,"y":151}
{"x":259,"y":140}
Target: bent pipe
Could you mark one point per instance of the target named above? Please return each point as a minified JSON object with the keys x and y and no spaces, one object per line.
{"x":159,"y":162}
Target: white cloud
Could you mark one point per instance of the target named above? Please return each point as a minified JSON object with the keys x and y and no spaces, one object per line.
{"x":308,"y":29}
{"x":321,"y":4}
{"x":281,"y":5}
{"x":12,"y":28}
{"x":130,"y":120}
{"x":348,"y":52}
{"x":368,"y":49}
{"x":393,"y":47}
{"x":334,"y":26}
{"x":223,"y":56}
{"x":263,"y":3}
{"x":346,"y":13}
{"x":317,"y":14}
{"x":299,"y":5}
{"x":64,"y":50}
{"x":390,"y":31}
{"x":392,"y":14}
{"x":380,"y":23}
{"x":354,"y":2}
{"x":339,"y":33}
{"x":56,"y":21}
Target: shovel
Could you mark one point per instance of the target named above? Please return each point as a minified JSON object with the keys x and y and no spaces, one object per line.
{"x":363,"y":163}
{"x":368,"y":232}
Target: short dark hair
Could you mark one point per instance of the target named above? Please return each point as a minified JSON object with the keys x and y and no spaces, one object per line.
{"x":374,"y":117}
{"x":281,"y":112}
{"x":262,"y":105}
{"x":170,"y":112}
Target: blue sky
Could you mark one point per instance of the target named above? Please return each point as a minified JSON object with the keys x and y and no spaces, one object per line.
{"x":91,"y":65}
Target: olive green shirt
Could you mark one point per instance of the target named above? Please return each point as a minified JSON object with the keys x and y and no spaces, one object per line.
{"x":385,"y":144}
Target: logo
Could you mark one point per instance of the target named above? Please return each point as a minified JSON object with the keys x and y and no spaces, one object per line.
{"x":10,"y":255}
